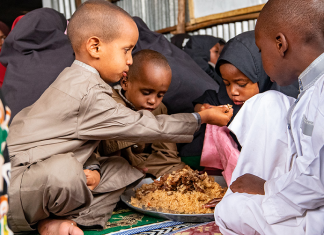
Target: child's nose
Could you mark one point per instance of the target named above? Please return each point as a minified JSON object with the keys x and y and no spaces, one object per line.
{"x":234,"y":91}
{"x":152,"y":100}
{"x":129,"y":60}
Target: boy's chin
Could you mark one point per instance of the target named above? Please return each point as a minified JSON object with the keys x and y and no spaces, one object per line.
{"x":111,"y":80}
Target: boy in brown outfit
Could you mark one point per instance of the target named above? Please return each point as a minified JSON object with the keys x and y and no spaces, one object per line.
{"x":147,"y":81}
{"x":57,"y":182}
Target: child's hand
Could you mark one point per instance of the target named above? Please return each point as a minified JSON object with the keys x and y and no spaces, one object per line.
{"x":201,"y":107}
{"x":212,"y":203}
{"x":216,"y":115}
{"x":248,"y":183}
{"x":93,"y":178}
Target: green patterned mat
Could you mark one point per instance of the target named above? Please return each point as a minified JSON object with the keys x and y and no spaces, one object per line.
{"x":124,"y":219}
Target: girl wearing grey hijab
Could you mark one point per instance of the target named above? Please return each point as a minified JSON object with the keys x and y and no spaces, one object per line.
{"x":240,"y":67}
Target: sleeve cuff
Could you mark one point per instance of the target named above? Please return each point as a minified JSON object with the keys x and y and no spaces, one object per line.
{"x":198,"y":118}
{"x":93,"y":168}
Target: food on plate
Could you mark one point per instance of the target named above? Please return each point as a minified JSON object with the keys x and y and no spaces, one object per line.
{"x":184,"y":191}
{"x":229,"y":107}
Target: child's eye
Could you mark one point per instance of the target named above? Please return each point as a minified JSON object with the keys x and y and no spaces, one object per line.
{"x":126,"y":50}
{"x":160,"y":95}
{"x":242,"y":85}
{"x":145,"y":92}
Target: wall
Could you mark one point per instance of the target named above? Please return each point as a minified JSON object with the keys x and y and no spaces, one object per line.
{"x":159,"y":14}
{"x":227,"y":31}
{"x":66,"y":7}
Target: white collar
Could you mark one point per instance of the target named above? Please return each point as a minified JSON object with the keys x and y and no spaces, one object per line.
{"x":87,"y":67}
{"x":311,"y":74}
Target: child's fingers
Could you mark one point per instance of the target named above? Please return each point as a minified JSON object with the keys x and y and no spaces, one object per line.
{"x":230,"y":112}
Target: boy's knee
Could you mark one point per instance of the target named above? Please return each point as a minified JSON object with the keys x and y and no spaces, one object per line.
{"x":227,"y":212}
{"x":65,"y":170}
{"x":62,"y":170}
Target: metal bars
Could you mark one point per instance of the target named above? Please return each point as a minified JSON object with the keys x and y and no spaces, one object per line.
{"x":227,"y":31}
{"x":66,"y":7}
{"x":157,"y":14}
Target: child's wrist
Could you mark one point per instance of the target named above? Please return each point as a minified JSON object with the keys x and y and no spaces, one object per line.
{"x":203,"y":116}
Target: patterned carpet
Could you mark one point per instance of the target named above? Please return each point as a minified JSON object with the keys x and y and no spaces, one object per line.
{"x":175,"y":228}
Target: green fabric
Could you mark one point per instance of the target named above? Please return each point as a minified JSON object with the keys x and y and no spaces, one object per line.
{"x":125,"y":220}
{"x":193,"y":162}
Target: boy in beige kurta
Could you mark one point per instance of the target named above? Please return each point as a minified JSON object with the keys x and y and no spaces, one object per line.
{"x":57,"y":182}
{"x":147,"y":81}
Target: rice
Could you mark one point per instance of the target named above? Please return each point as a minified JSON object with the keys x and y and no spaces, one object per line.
{"x":176,"y":200}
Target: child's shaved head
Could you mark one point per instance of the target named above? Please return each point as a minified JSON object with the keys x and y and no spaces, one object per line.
{"x":304,"y":18}
{"x":147,"y":57}
{"x":96,"y":18}
{"x":290,"y":35}
{"x":148,"y":79}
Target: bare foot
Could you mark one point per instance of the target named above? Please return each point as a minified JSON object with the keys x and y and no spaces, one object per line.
{"x":58,"y":227}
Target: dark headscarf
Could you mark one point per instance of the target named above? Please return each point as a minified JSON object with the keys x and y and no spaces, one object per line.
{"x":178,"y":40}
{"x":4,"y":28}
{"x":241,"y":52}
{"x":35,"y":53}
{"x":202,"y":43}
{"x":198,"y":47}
{"x":188,"y":80}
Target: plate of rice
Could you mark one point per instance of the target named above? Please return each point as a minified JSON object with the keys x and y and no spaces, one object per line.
{"x":179,"y":196}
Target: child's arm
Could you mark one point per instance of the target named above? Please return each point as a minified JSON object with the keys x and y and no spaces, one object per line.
{"x":100,"y":117}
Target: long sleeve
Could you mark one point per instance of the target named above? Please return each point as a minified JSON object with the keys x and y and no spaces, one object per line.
{"x":102,"y":118}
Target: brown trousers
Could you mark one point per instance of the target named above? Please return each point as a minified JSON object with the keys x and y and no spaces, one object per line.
{"x":56,"y":188}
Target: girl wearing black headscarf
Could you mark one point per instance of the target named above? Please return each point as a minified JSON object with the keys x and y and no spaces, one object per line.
{"x":35,"y":53}
{"x":240,"y":67}
{"x":205,"y":50}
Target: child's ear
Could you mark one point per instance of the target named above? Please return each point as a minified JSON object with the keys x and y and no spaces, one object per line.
{"x":124,"y":83}
{"x":282,"y":44}
{"x":93,"y":47}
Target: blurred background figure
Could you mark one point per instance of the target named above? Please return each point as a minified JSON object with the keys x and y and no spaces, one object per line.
{"x":4,"y":31}
{"x":35,"y":53}
{"x":205,"y":50}
{"x":180,"y":40}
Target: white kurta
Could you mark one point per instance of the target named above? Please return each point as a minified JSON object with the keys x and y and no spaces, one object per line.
{"x":289,"y":157}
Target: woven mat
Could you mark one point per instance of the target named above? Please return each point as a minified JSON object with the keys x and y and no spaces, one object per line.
{"x":209,"y":228}
{"x":125,"y":218}
{"x":162,"y":228}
